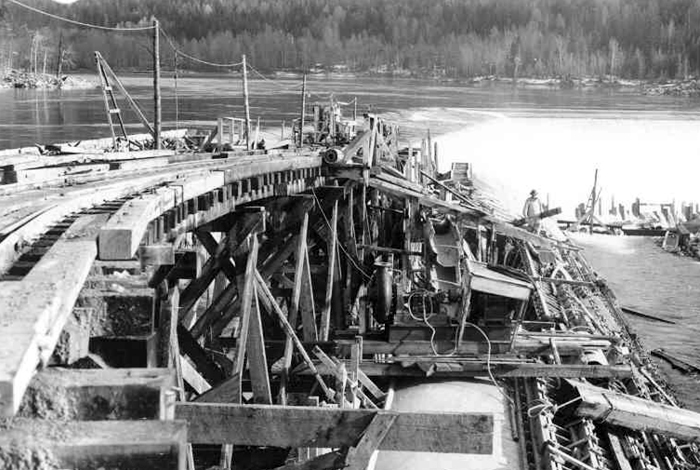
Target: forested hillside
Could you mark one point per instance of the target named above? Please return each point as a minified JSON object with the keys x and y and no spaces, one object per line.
{"x":455,"y":38}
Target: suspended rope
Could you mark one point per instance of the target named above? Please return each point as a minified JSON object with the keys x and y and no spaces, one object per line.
{"x":80,"y":23}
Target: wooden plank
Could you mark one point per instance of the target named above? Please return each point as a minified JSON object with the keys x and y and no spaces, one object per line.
{"x":636,"y":413}
{"x":637,"y":313}
{"x":358,"y":457}
{"x":33,"y":311}
{"x":42,"y":175}
{"x":424,"y":200}
{"x":617,"y":452}
{"x":301,"y":426}
{"x":191,"y":375}
{"x":676,"y":362}
{"x":86,"y":445}
{"x":97,"y":394}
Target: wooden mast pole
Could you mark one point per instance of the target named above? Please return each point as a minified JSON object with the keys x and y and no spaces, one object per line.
{"x":156,"y":83}
{"x":303,"y":112}
{"x":246,"y":104}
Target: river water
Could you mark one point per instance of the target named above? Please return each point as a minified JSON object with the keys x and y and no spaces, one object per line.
{"x":516,"y":138}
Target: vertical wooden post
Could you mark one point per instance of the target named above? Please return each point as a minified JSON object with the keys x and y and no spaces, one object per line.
{"x":303,"y":112}
{"x":435,"y":157}
{"x":330,"y":280}
{"x":354,"y":110}
{"x":300,"y":258}
{"x":246,"y":104}
{"x":354,"y":372}
{"x":283,"y":129}
{"x":257,"y":134}
{"x":59,"y":57}
{"x":156,"y":83}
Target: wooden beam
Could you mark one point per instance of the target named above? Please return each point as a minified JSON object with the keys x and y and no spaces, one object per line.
{"x":332,"y":366}
{"x":334,"y":460}
{"x":248,"y":293}
{"x":33,"y":311}
{"x":479,"y":369}
{"x":330,"y":279}
{"x":228,"y":391}
{"x":294,"y":306}
{"x":192,"y":377}
{"x":257,"y":359}
{"x":84,"y":445}
{"x":168,"y":305}
{"x":291,"y":336}
{"x":97,"y":394}
{"x":306,"y":302}
{"x":219,"y":309}
{"x":122,"y":234}
{"x":636,"y":413}
{"x":155,"y":255}
{"x":189,"y":347}
{"x":198,"y":286}
{"x":301,"y":426}
{"x":524,"y":345}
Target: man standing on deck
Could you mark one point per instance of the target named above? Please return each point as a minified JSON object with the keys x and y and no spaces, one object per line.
{"x":532,"y":211}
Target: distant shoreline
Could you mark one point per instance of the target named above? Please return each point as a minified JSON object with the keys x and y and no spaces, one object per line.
{"x":684,"y":88}
{"x":41,"y":81}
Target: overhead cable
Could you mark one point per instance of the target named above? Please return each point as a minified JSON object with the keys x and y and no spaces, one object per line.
{"x":80,"y":23}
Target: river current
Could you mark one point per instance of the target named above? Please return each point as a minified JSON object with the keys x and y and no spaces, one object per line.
{"x":516,"y":138}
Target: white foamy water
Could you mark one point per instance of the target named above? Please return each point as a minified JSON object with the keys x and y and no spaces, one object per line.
{"x":655,"y":160}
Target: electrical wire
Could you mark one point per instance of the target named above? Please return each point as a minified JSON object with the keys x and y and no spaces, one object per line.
{"x":488,"y":361}
{"x":542,"y":405}
{"x":340,"y":245}
{"x":426,"y":319}
{"x":274,"y":82}
{"x":177,"y":97}
{"x":191,"y":57}
{"x":80,"y":23}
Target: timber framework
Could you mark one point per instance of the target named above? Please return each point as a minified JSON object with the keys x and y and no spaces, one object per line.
{"x":258,"y":308}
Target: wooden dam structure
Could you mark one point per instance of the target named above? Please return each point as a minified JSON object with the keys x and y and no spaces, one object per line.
{"x":259,"y":309}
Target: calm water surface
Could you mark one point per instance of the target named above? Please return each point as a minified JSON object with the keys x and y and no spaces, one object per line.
{"x":516,"y":138}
